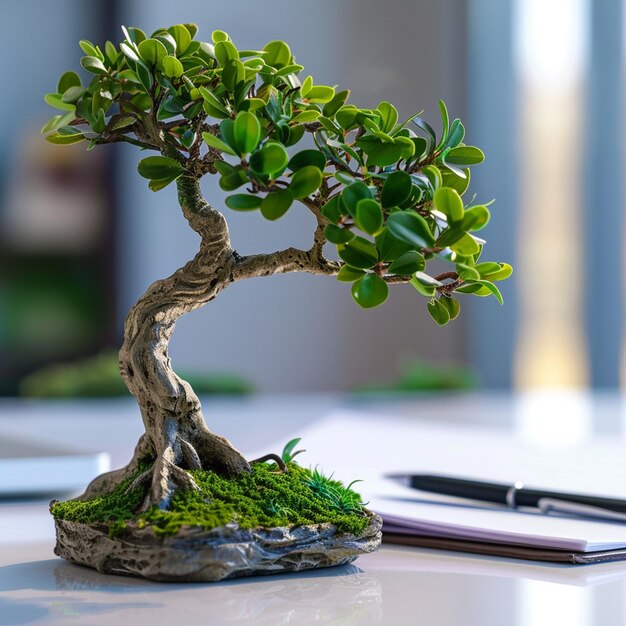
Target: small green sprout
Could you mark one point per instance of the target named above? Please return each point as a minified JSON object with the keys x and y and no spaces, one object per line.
{"x":288,"y":454}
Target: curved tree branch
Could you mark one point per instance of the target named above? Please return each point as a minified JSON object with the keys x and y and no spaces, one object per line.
{"x":283,"y":262}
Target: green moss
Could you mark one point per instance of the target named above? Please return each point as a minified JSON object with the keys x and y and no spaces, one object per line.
{"x":263,"y":498}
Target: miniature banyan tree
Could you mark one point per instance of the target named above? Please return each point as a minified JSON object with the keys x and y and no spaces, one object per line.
{"x":388,"y":194}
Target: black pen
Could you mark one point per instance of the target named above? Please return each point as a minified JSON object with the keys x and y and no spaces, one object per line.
{"x":517,"y":495}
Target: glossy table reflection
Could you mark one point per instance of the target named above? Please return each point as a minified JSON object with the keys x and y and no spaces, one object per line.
{"x":393,"y":587}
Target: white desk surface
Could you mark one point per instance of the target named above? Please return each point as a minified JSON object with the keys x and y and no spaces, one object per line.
{"x":393,"y":587}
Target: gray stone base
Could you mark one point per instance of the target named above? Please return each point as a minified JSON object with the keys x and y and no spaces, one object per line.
{"x":199,"y":555}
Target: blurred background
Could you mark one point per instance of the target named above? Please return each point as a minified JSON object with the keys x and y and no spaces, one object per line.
{"x":539,"y":85}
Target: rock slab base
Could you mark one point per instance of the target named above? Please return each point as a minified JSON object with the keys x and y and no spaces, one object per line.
{"x":199,"y":555}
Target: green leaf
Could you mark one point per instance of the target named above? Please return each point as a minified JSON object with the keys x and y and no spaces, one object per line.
{"x":246,"y":132}
{"x":396,"y":189}
{"x":492,"y":288}
{"x":407,"y":147}
{"x":192,"y":29}
{"x":243,"y":202}
{"x":445,"y":122}
{"x":94,"y":65}
{"x":428,"y":130}
{"x":55,"y":100}
{"x":134,"y":35}
{"x":67,"y":80}
{"x":466,"y":245}
{"x":449,"y":202}
{"x":475,"y":218}
{"x":286,"y":454}
{"x":227,"y":130}
{"x":438,"y":312}
{"x":465,"y":156}
{"x":58,"y":121}
{"x":90,"y":50}
{"x":188,"y":138}
{"x":251,"y":104}
{"x":407,"y":264}
{"x":158,"y":167}
{"x":320,"y":94}
{"x":145,"y":76}
{"x":270,"y":160}
{"x":294,"y":68}
{"x":123,"y":122}
{"x":64,"y":139}
{"x":225,"y":51}
{"x":276,"y":204}
{"x":467,"y":272}
{"x":182,"y":36}
{"x":370,"y":291}
{"x":433,"y":173}
{"x":233,"y":180}
{"x":219,"y":35}
{"x":278,"y":54}
{"x":378,"y":152}
{"x":215,"y":106}
{"x":450,"y":179}
{"x":450,"y":236}
{"x":410,"y":227}
{"x":233,"y":74}
{"x":390,"y":247}
{"x":369,"y":216}
{"x":388,"y":116}
{"x":346,"y":116}
{"x":307,"y":157}
{"x":351,"y":195}
{"x":152,"y":52}
{"x":215,"y":142}
{"x":172,"y":67}
{"x":426,"y":279}
{"x":451,"y":305}
{"x":332,"y":209}
{"x":488,"y":267}
{"x":358,"y":252}
{"x":338,"y":235}
{"x":339,"y":99}
{"x":73,"y":94}
{"x":456,"y":135}
{"x":421,"y":288}
{"x":98,"y":124}
{"x":304,"y":117}
{"x":349,"y":274}
{"x":129,"y":52}
{"x":502,"y":274}
{"x":111,"y":53}
{"x":305,"y":181}
{"x":159,"y":183}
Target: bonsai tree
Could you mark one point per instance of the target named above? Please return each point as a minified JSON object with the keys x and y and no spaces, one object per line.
{"x":388,"y":194}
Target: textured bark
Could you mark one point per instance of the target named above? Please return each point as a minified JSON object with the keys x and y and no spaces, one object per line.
{"x":176,"y":436}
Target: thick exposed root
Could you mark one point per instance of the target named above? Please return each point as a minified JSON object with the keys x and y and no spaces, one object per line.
{"x":167,"y":475}
{"x":105,"y":483}
{"x":167,"y":479}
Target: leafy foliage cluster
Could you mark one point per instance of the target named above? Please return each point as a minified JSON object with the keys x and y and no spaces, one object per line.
{"x":262,"y":498}
{"x":388,"y":193}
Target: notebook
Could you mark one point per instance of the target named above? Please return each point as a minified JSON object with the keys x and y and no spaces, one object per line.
{"x":397,"y":445}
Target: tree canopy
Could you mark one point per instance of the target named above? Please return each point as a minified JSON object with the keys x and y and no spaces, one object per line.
{"x":388,"y":193}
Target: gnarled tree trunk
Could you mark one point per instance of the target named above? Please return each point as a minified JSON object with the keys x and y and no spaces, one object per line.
{"x":176,"y":436}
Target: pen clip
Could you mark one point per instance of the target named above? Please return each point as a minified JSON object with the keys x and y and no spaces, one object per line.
{"x":553,"y":505}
